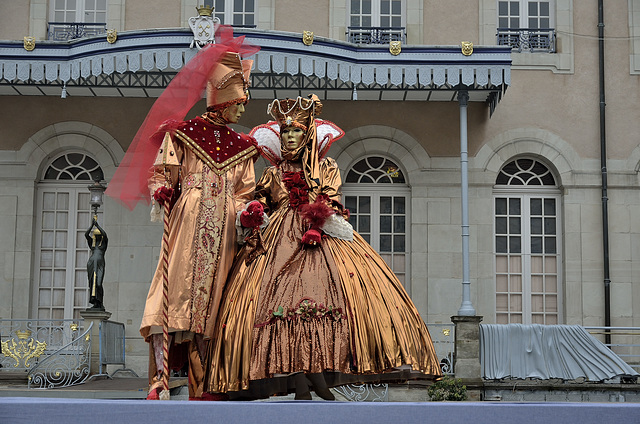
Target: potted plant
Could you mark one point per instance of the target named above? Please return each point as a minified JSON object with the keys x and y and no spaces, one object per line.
{"x":447,"y":389}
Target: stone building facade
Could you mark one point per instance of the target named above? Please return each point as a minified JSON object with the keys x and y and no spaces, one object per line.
{"x":535,"y":180}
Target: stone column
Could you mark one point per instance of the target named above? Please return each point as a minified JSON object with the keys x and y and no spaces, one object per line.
{"x":466,"y":308}
{"x":94,"y":316}
{"x":467,"y":353}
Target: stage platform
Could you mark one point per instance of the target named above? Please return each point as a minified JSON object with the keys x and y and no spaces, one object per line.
{"x":15,"y":410}
{"x":122,"y":400}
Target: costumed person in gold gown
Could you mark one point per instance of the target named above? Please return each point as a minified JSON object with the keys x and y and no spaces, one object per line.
{"x":320,"y":308}
{"x":210,"y":182}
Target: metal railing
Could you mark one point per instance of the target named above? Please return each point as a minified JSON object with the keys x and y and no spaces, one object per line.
{"x":26,"y":341}
{"x":625,"y":342}
{"x":376,"y":35}
{"x":65,"y":31}
{"x":443,"y":337}
{"x":68,"y":366}
{"x":531,"y":39}
{"x":112,"y":349}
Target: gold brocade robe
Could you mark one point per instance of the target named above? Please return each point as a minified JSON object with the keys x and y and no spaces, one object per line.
{"x":202,"y":239}
{"x":373,"y":334}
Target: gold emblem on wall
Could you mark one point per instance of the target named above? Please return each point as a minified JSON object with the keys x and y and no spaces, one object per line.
{"x":395,"y":47}
{"x":25,"y":349}
{"x":29,"y":43}
{"x":307,"y":38}
{"x":112,"y":36}
{"x":467,"y":48}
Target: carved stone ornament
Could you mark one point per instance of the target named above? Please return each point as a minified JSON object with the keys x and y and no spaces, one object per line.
{"x":29,"y":43}
{"x":307,"y":38}
{"x":395,"y":47}
{"x":203,"y":27}
{"x":112,"y":36}
{"x":467,"y":48}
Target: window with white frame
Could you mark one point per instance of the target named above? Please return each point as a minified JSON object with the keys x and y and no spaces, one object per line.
{"x":87,"y":11}
{"x":376,"y":13}
{"x":376,"y":21}
{"x":63,"y":216}
{"x":527,"y":244}
{"x":376,"y":194}
{"x":526,"y":25}
{"x":72,"y":19}
{"x":234,"y":12}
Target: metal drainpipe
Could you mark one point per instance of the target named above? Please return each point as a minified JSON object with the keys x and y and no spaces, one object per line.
{"x":603,"y":164}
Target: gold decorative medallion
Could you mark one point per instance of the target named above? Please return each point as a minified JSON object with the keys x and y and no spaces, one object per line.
{"x":203,"y":27}
{"x":25,"y":349}
{"x":29,"y":43}
{"x":395,"y":47}
{"x":467,"y":48}
{"x":112,"y":36}
{"x":307,"y":38}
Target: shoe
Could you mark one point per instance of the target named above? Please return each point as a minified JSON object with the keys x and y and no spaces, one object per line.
{"x":319,"y":386}
{"x":303,"y":396}
{"x":154,"y":394}
{"x":302,"y":387}
{"x":324,"y":393}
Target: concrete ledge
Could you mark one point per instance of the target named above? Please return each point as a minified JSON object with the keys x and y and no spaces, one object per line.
{"x":559,"y":391}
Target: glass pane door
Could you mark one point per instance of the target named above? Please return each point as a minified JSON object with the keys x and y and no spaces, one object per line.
{"x":62,"y":251}
{"x":382,"y":221}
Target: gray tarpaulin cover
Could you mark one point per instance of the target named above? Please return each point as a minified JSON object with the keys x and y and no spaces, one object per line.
{"x":567,"y":352}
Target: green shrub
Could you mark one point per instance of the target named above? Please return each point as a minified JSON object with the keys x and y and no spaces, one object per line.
{"x":447,"y":389}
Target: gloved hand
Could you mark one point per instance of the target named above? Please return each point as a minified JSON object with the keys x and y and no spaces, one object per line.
{"x":252,"y":216}
{"x":163,"y":194}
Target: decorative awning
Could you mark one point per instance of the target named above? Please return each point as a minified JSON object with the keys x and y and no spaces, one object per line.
{"x":141,"y":63}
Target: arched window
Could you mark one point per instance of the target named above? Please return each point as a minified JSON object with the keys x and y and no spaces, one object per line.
{"x":376,"y":194}
{"x":527,"y":244}
{"x":63,"y":216}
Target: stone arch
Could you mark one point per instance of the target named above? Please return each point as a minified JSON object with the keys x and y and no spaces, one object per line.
{"x":541,"y":144}
{"x":380,"y":140}
{"x":54,"y":139}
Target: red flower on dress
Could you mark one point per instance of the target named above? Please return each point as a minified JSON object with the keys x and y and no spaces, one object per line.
{"x":297,"y":187}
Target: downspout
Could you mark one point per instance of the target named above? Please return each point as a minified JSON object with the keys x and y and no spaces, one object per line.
{"x":603,"y":164}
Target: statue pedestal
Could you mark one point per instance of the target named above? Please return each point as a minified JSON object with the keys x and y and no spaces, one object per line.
{"x":94,"y":316}
{"x":467,"y":354}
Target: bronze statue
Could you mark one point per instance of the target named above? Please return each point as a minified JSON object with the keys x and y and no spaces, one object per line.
{"x":97,"y":241}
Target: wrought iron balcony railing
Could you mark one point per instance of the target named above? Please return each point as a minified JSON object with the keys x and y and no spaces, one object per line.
{"x":533,"y":40}
{"x":376,"y":35}
{"x":50,"y":353}
{"x":65,"y":31}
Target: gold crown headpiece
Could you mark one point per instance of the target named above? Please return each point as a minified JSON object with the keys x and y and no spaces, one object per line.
{"x":297,"y":112}
{"x":229,"y":82}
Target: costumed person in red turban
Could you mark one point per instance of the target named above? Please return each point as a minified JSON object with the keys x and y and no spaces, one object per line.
{"x":201,"y":173}
{"x":320,"y":308}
